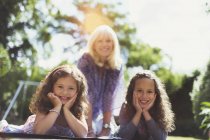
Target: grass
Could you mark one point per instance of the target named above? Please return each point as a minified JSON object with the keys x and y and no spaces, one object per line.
{"x":180,"y":138}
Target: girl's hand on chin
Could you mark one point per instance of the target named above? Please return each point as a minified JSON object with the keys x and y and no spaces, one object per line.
{"x":70,"y":103}
{"x":147,"y":108}
{"x":136,"y":103}
{"x":54,"y":99}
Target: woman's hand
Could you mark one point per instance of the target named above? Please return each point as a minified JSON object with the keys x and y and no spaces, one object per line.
{"x":54,"y":99}
{"x":91,"y":133}
{"x":104,"y":132}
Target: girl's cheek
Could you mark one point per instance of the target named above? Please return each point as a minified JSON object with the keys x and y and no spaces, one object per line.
{"x":138,"y":96}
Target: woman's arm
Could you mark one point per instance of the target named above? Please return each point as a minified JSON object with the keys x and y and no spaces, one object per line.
{"x":108,"y":101}
{"x":86,"y":64}
{"x":114,"y":80}
{"x":106,"y":120}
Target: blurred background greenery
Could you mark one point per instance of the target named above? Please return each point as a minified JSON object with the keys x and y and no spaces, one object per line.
{"x":28,"y":26}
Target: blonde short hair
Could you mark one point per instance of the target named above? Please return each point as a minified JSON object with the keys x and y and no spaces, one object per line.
{"x":104,"y":31}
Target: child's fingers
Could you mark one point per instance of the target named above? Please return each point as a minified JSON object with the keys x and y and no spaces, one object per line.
{"x":74,"y":97}
{"x":134,"y":101}
{"x":50,"y":94}
{"x":72,"y":100}
{"x":152,"y":102}
{"x":70,"y":103}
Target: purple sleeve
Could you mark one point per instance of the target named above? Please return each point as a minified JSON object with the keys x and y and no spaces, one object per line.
{"x":127,"y":128}
{"x":84,"y":64}
{"x":114,"y":77}
{"x":155,"y":131}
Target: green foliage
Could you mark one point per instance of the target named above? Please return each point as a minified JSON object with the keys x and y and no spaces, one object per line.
{"x":9,"y":83}
{"x":27,"y":27}
{"x":139,"y":54}
{"x":205,"y":112}
{"x":37,"y":73}
{"x":207,"y":6}
{"x":182,"y":107}
{"x":5,"y":63}
{"x":202,"y":95}
{"x":171,"y":80}
{"x":144,"y":55}
{"x":12,"y":29}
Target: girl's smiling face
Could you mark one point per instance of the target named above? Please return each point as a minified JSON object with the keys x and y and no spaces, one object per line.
{"x":145,"y":91}
{"x":65,"y":88}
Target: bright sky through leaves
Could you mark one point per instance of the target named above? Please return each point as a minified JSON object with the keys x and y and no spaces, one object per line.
{"x":180,"y":27}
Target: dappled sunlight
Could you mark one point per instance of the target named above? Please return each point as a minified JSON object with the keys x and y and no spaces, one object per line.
{"x":93,"y":18}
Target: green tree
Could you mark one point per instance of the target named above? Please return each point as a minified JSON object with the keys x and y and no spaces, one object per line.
{"x":172,"y":81}
{"x":8,"y":85}
{"x":5,"y":63}
{"x":144,"y":55}
{"x":205,"y":113}
{"x":28,"y":27}
{"x":182,"y":106}
{"x":202,"y":95}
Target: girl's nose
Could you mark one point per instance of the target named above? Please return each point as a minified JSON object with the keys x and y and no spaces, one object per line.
{"x":65,"y":91}
{"x":144,"y":94}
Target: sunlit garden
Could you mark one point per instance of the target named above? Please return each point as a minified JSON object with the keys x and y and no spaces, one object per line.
{"x":37,"y":36}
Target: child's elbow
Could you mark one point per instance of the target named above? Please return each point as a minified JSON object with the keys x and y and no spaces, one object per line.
{"x":82,"y":135}
{"x":38,"y":131}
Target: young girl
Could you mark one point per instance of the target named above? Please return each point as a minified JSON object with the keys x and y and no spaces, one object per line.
{"x":147,"y":113}
{"x":60,"y":104}
{"x":102,"y":66}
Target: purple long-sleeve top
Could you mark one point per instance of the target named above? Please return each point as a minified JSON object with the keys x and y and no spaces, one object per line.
{"x":101,"y":87}
{"x":145,"y":130}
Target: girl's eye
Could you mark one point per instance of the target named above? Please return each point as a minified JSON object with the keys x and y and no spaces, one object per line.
{"x":150,"y":92}
{"x":60,"y":87}
{"x":139,"y":91}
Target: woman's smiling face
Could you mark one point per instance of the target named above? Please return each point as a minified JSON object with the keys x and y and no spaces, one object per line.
{"x":145,"y":91}
{"x":65,"y":88}
{"x":103,"y":46}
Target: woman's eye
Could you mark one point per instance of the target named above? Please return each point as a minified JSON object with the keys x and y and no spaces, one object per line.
{"x":108,"y":41}
{"x":71,"y":88}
